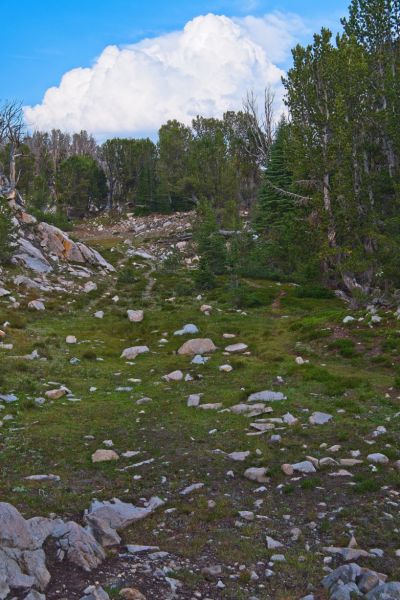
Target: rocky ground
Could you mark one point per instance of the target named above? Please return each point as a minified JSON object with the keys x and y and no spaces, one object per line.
{"x":254,"y":443}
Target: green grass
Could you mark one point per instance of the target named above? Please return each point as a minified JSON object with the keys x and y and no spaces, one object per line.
{"x":337,"y":378}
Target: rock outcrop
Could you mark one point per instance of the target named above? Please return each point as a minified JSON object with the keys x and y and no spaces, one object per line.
{"x":42,"y":247}
{"x":22,"y":550}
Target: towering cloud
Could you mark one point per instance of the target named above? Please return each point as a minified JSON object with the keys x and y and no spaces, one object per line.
{"x":206,"y":69}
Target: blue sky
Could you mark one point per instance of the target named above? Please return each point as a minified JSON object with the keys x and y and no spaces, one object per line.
{"x":47,"y":38}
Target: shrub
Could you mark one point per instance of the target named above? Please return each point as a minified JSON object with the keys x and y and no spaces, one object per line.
{"x":173,"y":262}
{"x":345,"y":347}
{"x":7,"y":232}
{"x":127,"y":275}
{"x":204,"y":277}
{"x":244,"y":296}
{"x":58,"y":219}
{"x":313,"y":291}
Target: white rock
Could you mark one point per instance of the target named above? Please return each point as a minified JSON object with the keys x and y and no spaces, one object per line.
{"x":70,"y":339}
{"x":226,"y":368}
{"x":134,"y":351}
{"x":272,"y":544}
{"x":205,"y":308}
{"x":378,"y":458}
{"x":348,"y":319}
{"x":247,"y":515}
{"x":135,"y":316}
{"x":305,"y":466}
{"x":191,"y":488}
{"x":89,"y":286}
{"x":102,"y":455}
{"x":320,"y":418}
{"x":190,"y":328}
{"x":239,"y":456}
{"x":256,"y":474}
{"x":266,"y":396}
{"x":376,"y":319}
{"x":197,"y":346}
{"x":36,"y":305}
{"x":193,"y":400}
{"x":289,"y":419}
{"x":174,"y":376}
{"x":55,"y":394}
{"x":233,"y":348}
{"x":99,"y":314}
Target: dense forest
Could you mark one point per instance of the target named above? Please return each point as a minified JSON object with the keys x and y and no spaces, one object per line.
{"x":77,"y":176}
{"x":321,"y":186}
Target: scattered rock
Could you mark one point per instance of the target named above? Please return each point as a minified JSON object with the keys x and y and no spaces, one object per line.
{"x":193,"y":400}
{"x":239,"y":456}
{"x":55,"y":394}
{"x":102,"y":455}
{"x":135,"y":316}
{"x":89,"y":286}
{"x":320,"y":418}
{"x":174,"y":376}
{"x":190,"y":328}
{"x":272,"y":544}
{"x":36,"y":305}
{"x":266,"y":396}
{"x":287,"y":469}
{"x":304,"y":467}
{"x":134,"y":351}
{"x":234,"y":348}
{"x":258,"y":474}
{"x":191,"y":488}
{"x":197,"y":346}
{"x":378,"y":458}
{"x":206,"y":308}
{"x":104,"y":519}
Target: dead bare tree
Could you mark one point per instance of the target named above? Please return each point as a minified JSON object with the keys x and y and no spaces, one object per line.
{"x":11,"y":133}
{"x":262,"y":133}
{"x":261,"y":125}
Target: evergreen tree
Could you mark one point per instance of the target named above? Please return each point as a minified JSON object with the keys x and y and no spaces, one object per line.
{"x":7,"y":232}
{"x":273,"y":206}
{"x":81,"y":185}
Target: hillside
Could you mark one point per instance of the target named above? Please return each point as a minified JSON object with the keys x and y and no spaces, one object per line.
{"x":245,"y":496}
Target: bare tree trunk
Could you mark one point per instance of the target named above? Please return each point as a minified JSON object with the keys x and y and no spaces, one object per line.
{"x":12,"y":166}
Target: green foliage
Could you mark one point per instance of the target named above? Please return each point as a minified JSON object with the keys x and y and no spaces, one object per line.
{"x":176,"y":186}
{"x":58,"y":219}
{"x":7,"y":232}
{"x":173,"y":262}
{"x":273,"y":207}
{"x":313,"y":291}
{"x":204,"y":277}
{"x":345,"y":347}
{"x":244,"y":296}
{"x":81,"y":185}
{"x":344,"y":105}
{"x":127,"y":275}
{"x":211,"y":244}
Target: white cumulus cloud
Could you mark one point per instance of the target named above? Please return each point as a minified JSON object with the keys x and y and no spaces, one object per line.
{"x":205,"y":69}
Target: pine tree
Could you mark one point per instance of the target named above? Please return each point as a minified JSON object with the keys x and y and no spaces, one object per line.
{"x":7,"y":232}
{"x":273,"y":206}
